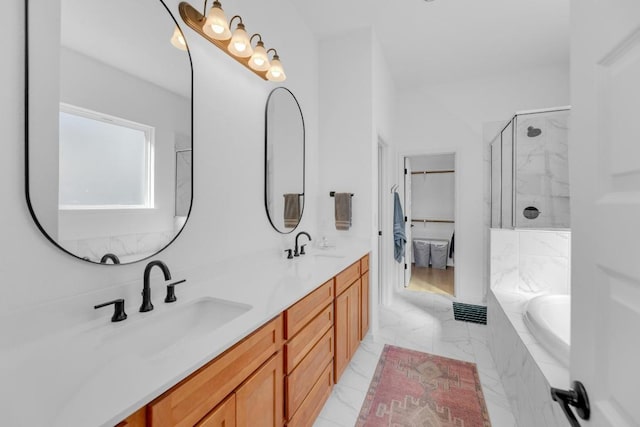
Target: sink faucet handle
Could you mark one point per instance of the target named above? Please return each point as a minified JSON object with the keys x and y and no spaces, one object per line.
{"x":171,"y":292}
{"x":289,"y":253}
{"x":302,"y":252}
{"x":118,"y":311}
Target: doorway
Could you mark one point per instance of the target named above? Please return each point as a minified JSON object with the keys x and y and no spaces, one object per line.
{"x":430,"y":223}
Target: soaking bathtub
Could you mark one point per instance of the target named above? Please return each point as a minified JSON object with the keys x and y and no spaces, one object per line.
{"x":548,"y":317}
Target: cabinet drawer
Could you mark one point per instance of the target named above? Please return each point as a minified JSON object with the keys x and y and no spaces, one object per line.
{"x":190,"y":400}
{"x":299,"y":314}
{"x":346,"y":277}
{"x":364,"y":263}
{"x":302,"y":379}
{"x":312,"y":405}
{"x":298,"y":347}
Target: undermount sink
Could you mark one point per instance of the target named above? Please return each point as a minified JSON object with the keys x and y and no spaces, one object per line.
{"x":158,"y":331}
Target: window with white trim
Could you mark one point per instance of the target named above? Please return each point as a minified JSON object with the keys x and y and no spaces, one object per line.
{"x":106,"y":162}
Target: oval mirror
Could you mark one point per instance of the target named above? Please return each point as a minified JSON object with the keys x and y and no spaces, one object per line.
{"x":284,"y":160}
{"x":109,"y":125}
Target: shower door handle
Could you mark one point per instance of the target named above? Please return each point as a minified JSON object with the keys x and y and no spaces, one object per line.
{"x":576,"y":397}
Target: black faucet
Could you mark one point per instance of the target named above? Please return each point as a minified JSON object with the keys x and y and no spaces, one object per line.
{"x":298,"y":251}
{"x":146,"y":290}
{"x":111,"y":257}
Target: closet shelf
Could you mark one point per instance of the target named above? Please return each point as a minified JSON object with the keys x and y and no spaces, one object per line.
{"x":428,"y":172}
{"x":448,"y":221}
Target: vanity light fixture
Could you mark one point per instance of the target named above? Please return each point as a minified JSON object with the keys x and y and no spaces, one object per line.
{"x":240,"y":45}
{"x":214,"y":27}
{"x":260,"y":59}
{"x":276,"y":72}
{"x":177,"y":39}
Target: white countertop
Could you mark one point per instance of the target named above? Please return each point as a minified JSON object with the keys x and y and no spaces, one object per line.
{"x":70,"y":377}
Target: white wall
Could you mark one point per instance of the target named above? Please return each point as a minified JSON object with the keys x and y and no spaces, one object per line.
{"x":356,"y":104}
{"x":450,"y":118}
{"x":228,"y":217}
{"x":346,"y":129}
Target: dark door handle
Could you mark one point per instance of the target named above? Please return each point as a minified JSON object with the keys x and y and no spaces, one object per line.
{"x":576,"y":397}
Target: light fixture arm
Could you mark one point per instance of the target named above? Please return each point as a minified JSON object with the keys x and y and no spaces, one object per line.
{"x":204,"y":10}
{"x":259,"y":37}
{"x":234,"y":17}
{"x":275,"y":52}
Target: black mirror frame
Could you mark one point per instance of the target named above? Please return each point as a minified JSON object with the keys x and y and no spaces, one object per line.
{"x":266,"y":142}
{"x":26,"y":146}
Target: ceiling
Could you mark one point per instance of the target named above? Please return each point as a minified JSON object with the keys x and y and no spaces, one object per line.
{"x":431,"y":42}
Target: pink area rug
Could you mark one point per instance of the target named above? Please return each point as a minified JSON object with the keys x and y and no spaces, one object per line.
{"x":415,"y":389}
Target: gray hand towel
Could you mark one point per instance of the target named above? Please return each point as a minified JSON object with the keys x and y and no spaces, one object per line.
{"x":291,"y":210}
{"x":343,"y":211}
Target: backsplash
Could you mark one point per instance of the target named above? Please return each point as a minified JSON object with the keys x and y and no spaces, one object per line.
{"x":531,"y":261}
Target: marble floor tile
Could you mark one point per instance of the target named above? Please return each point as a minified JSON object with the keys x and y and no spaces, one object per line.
{"x":424,"y":322}
{"x":323,"y":422}
{"x":343,"y":407}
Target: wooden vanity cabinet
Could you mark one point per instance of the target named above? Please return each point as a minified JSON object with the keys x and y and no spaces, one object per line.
{"x":351,"y":312}
{"x":224,"y":415}
{"x":309,"y":355}
{"x":364,"y":305}
{"x":256,"y":403}
{"x":191,"y":400}
{"x":259,"y":400}
{"x":137,"y":419}
{"x":347,"y":327}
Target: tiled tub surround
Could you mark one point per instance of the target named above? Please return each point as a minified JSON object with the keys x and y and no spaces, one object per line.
{"x":526,"y":370}
{"x":49,"y":358}
{"x":525,"y":264}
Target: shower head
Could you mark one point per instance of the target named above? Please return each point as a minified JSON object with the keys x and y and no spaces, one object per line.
{"x":533,"y":132}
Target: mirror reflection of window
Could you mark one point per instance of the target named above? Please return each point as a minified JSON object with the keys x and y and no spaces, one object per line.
{"x":105,"y":162}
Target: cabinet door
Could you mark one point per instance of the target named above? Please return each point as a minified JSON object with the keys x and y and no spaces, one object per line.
{"x":364,"y":306}
{"x":341,"y":312}
{"x":259,"y":401}
{"x":347,"y":327}
{"x":354,"y":317}
{"x":224,"y":415}
{"x":137,"y":419}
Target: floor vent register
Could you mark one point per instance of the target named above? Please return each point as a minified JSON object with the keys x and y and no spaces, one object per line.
{"x":470,"y":313}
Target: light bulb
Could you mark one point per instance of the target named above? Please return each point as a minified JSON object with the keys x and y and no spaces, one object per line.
{"x":216,"y":25}
{"x":177,"y":40}
{"x":276,"y":72}
{"x":240,"y":44}
{"x":259,"y":60}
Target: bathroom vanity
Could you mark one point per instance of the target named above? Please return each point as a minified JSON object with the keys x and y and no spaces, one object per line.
{"x":280,"y":374}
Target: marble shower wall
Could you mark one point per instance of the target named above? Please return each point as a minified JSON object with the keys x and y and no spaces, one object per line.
{"x":538,"y":144}
{"x":530,"y":262}
{"x":542,"y":169}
